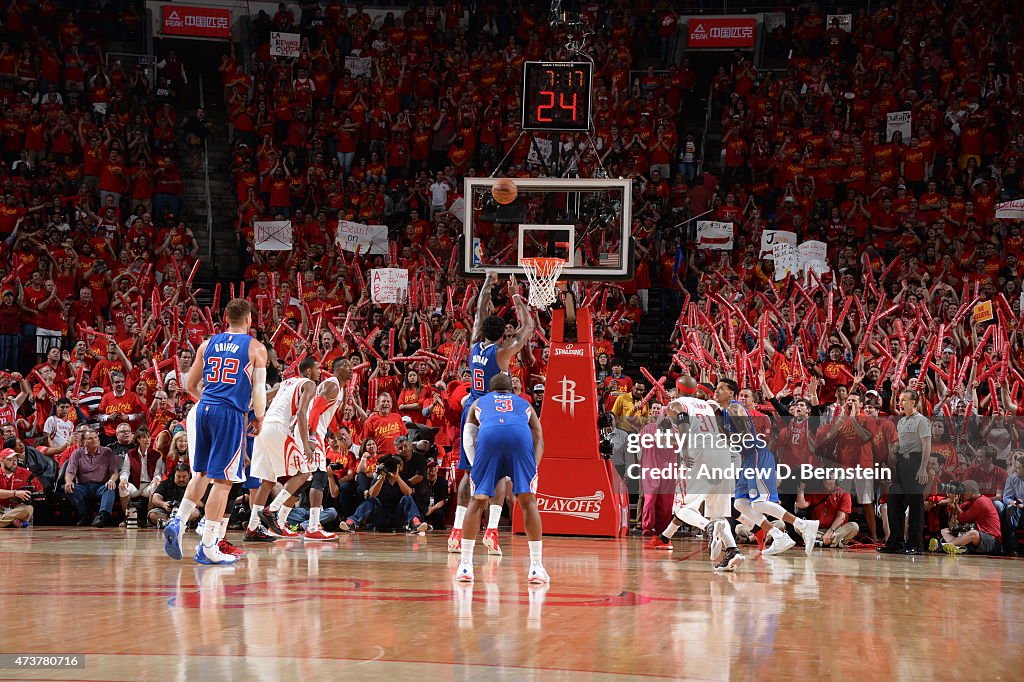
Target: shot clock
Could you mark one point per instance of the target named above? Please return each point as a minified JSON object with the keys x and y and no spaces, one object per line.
{"x":556,"y":95}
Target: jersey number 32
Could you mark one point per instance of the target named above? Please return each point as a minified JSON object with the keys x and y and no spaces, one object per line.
{"x":222,"y":371}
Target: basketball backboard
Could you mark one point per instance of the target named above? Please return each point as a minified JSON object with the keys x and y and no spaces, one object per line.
{"x":584,"y":221}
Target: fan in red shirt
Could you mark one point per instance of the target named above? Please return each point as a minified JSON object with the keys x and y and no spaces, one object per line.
{"x":986,"y":537}
{"x":832,"y":510}
{"x":119,"y":405}
{"x":384,"y":426}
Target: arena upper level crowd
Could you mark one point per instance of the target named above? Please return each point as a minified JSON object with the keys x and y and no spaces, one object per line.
{"x":99,"y":314}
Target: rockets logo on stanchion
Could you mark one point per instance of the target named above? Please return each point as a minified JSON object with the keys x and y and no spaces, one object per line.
{"x":568,"y":398}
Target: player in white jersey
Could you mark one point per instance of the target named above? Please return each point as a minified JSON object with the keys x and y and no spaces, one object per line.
{"x":330,"y":397}
{"x":284,"y":441}
{"x":707,"y":456}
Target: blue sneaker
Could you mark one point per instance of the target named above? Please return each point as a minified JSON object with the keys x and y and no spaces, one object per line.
{"x":211,"y":556}
{"x":172,"y":539}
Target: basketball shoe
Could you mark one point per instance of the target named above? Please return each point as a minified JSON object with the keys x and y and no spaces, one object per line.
{"x":258,"y":535}
{"x":212,"y":556}
{"x":320,"y":535}
{"x":227,"y":548}
{"x":730,"y":560}
{"x":269,"y":521}
{"x":780,"y":543}
{"x":455,"y":541}
{"x":464,"y":573}
{"x":491,"y":541}
{"x":810,"y":534}
{"x":172,"y":538}
{"x":657,"y":542}
{"x":537,"y":575}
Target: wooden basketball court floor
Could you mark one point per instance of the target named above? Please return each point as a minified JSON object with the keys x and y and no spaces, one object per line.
{"x":385,"y":607}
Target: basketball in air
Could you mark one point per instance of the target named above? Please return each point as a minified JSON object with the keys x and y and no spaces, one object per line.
{"x":504,"y":191}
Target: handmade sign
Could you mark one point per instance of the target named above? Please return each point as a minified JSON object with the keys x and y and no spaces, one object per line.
{"x":389,"y":285}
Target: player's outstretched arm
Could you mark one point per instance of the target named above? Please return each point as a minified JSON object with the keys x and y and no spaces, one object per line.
{"x":195,"y":373}
{"x":538,"y":436}
{"x":258,"y":358}
{"x":522,"y":335}
{"x":484,"y":307}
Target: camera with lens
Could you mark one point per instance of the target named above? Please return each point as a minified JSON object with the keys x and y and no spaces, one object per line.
{"x":38,"y":496}
{"x":952,"y":488}
{"x":336,"y":466}
{"x":387,"y":465}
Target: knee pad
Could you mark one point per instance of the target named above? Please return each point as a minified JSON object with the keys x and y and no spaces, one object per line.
{"x":319,"y":481}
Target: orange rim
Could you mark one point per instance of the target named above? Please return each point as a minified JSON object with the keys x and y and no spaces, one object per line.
{"x":542,"y":267}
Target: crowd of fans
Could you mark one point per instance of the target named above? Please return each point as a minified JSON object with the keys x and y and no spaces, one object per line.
{"x":99,"y":315}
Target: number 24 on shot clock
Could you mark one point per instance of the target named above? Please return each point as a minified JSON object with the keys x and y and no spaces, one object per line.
{"x":556,"y":95}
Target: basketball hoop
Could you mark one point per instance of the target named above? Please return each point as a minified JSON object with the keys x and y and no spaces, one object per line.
{"x":542,"y":275}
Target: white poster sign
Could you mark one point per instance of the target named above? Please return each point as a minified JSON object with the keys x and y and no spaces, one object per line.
{"x":787,"y":260}
{"x":458,"y":209}
{"x":898,"y":120}
{"x":389,"y":285}
{"x":1010,"y":210}
{"x":370,"y":239}
{"x":769,"y":238}
{"x":714,"y":235}
{"x":272,"y":235}
{"x":845,"y":21}
{"x":359,"y":66}
{"x":774,"y":20}
{"x":284,"y":44}
{"x":544,"y":157}
{"x":811,"y":251}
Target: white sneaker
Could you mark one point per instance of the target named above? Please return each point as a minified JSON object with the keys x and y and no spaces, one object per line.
{"x":200,"y":527}
{"x":780,"y":543}
{"x":211,"y":556}
{"x":537,"y":575}
{"x":716,"y":549}
{"x":464,"y":573}
{"x":810,"y":534}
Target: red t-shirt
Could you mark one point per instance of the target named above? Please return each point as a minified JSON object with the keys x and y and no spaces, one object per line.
{"x":824,"y":508}
{"x":384,"y":430}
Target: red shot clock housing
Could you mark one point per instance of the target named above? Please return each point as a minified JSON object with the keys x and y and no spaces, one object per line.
{"x":556,"y":95}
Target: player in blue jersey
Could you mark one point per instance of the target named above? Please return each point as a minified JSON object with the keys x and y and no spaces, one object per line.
{"x":232,"y":367}
{"x":503,"y":438}
{"x":757,"y":494}
{"x":488,"y":357}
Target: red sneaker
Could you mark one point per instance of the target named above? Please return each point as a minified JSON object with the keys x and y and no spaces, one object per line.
{"x":320,"y":534}
{"x":455,"y":541}
{"x":286,"y":532}
{"x":491,"y":541}
{"x":760,"y":535}
{"x":227,"y":548}
{"x":657,"y":543}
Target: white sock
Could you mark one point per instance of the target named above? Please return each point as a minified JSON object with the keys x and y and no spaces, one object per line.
{"x":460,"y":514}
{"x":314,"y":519}
{"x":724,"y":531}
{"x":673,"y":526}
{"x":495,"y":516}
{"x":800,"y":524}
{"x":776,"y":533}
{"x":222,"y":529}
{"x":185,"y":509}
{"x":535,"y":550}
{"x":254,"y":516}
{"x":282,"y":516}
{"x":279,"y":501}
{"x":210,"y":534}
{"x":467,"y":551}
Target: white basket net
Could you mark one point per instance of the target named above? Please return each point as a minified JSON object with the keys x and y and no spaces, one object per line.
{"x":542,"y":276}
